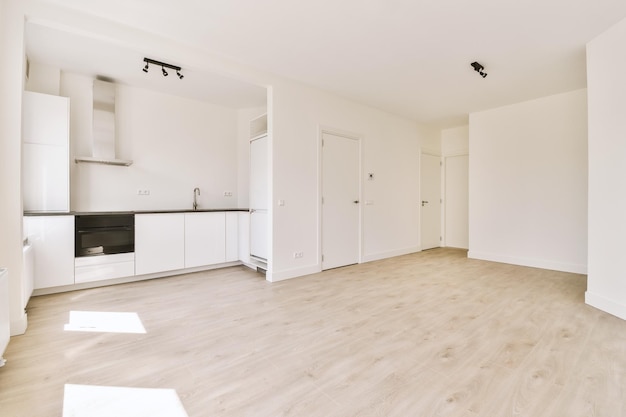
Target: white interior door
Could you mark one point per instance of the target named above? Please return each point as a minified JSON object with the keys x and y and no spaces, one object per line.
{"x":340,"y":201}
{"x":430,"y":192}
{"x":457,"y":201}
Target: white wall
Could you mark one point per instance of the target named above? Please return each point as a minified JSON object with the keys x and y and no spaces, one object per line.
{"x":455,"y":150}
{"x":455,"y":141}
{"x":44,"y":79}
{"x":11,"y":86}
{"x":390,"y":150}
{"x":175,"y":144}
{"x":606,"y":81}
{"x":528,"y":183}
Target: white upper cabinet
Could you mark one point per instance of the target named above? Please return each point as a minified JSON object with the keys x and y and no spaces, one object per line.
{"x":45,"y":119}
{"x":259,"y":173}
{"x":45,"y":163}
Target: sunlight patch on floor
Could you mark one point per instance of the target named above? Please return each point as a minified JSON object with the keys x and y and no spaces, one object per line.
{"x":99,"y":401}
{"x":109,"y":322}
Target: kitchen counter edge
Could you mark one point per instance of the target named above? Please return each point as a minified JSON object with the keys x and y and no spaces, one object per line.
{"x":87,"y":213}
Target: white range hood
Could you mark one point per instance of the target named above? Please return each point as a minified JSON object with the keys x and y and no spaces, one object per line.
{"x":103,"y":145}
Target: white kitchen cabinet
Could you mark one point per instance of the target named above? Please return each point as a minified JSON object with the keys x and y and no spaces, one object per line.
{"x":259,"y":234}
{"x":45,"y":161}
{"x":159,"y":242}
{"x":244,"y":236}
{"x":259,"y":173}
{"x":52,"y":241}
{"x":232,"y":236}
{"x":259,"y":198}
{"x":205,"y":237}
{"x":103,"y":267}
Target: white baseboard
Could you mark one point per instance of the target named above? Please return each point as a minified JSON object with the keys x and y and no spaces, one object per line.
{"x":606,"y":305}
{"x":534,"y":263}
{"x":293,"y":273}
{"x":133,"y":278}
{"x":390,"y":254}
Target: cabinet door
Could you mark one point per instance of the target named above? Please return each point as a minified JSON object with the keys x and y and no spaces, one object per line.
{"x":232,"y":236}
{"x":159,"y":242}
{"x":45,"y":178}
{"x":243,"y":243}
{"x":259,"y":236}
{"x":45,"y":119}
{"x":45,"y":164}
{"x":52,"y":240}
{"x":205,"y":238}
{"x":259,"y":173}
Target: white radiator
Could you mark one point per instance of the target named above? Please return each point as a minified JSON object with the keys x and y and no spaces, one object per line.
{"x":5,"y":330}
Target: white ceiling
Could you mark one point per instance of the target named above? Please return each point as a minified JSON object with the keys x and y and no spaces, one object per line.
{"x":408,"y":57}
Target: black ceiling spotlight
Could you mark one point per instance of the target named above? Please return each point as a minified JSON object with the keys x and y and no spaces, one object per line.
{"x":163,"y":65}
{"x":479,"y":69}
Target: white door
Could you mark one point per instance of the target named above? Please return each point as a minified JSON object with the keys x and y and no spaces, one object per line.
{"x":457,"y":201}
{"x":340,"y":201}
{"x":430,"y":192}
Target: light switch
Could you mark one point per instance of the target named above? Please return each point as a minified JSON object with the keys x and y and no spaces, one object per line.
{"x":281,"y":202}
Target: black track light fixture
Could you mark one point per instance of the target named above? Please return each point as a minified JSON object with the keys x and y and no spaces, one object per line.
{"x":479,"y":69}
{"x":163,"y":65}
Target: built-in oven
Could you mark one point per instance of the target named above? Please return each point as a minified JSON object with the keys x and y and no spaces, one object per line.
{"x":104,"y":247}
{"x":104,"y":234}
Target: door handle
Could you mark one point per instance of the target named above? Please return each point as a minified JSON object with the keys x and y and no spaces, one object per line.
{"x":356,"y":201}
{"x":424,"y":202}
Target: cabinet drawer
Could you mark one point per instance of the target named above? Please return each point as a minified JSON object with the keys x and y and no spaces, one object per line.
{"x":97,"y":268}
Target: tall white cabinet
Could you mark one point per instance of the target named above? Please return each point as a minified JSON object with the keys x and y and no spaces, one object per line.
{"x":45,"y":164}
{"x":259,"y":190}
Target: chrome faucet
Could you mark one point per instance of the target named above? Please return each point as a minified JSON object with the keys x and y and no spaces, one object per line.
{"x":196,"y":192}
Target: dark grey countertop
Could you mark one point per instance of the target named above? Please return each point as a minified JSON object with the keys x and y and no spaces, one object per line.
{"x":83,"y":213}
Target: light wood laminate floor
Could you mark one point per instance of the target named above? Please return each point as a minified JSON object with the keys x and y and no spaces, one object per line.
{"x":427,"y":334}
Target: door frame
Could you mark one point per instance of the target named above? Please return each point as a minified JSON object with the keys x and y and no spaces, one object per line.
{"x":444,"y":184}
{"x":320,"y":179}
{"x":426,"y":151}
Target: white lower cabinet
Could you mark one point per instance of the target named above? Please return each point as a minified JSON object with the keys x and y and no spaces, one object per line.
{"x":232,"y":236}
{"x":52,"y":241}
{"x":98,"y":268}
{"x":243,"y":236}
{"x":205,"y":234}
{"x":259,"y":234}
{"x":159,"y":242}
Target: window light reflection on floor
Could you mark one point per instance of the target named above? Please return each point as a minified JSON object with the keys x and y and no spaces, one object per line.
{"x":101,"y":401}
{"x":107,"y":322}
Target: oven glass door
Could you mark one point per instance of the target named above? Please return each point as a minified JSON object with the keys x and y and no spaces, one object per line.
{"x":104,"y":234}
{"x":105,"y":241}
